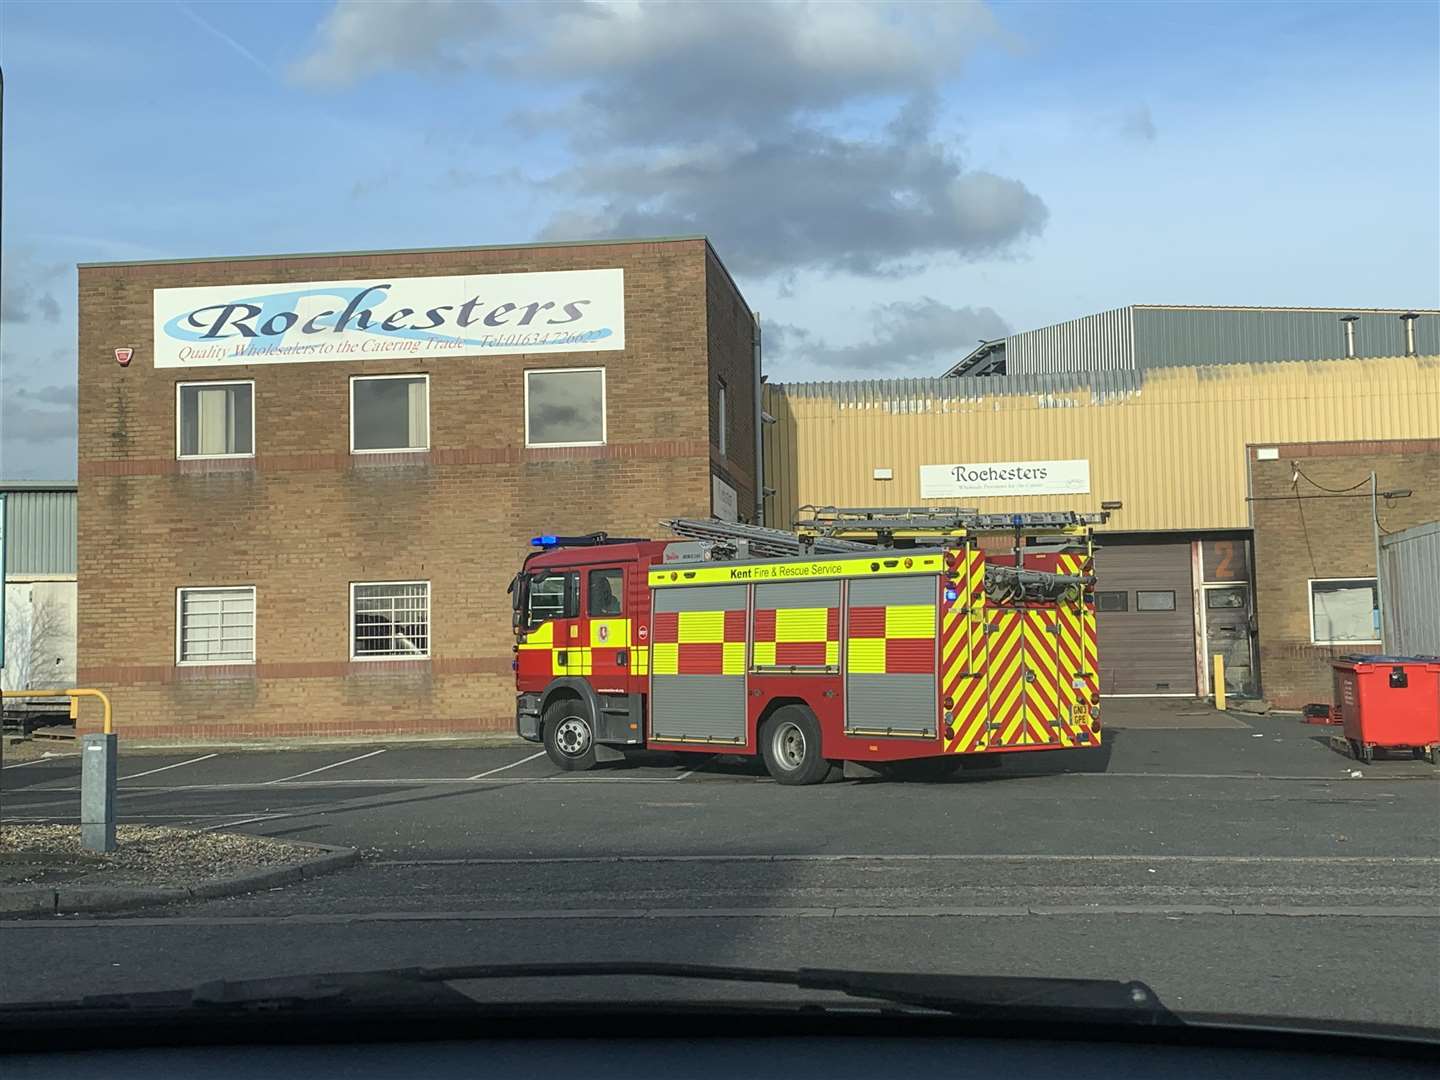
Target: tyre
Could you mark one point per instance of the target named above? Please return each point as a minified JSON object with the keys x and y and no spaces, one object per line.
{"x":569,"y":735}
{"x":790,"y":745}
{"x":926,"y":769}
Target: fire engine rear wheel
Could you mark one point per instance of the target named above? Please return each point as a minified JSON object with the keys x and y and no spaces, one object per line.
{"x":569,"y":736}
{"x":790,"y":745}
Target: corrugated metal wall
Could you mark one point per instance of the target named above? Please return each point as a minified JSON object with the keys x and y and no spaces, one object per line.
{"x":1169,"y":442}
{"x":1410,"y":580}
{"x":39,"y":532}
{"x":1142,"y":336}
{"x":1103,"y":342}
{"x":1170,"y":337}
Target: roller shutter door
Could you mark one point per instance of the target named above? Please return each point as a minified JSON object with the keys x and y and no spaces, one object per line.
{"x":1145,"y":651}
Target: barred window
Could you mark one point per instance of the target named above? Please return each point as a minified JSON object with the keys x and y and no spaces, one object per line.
{"x":215,"y":626}
{"x":390,"y":619}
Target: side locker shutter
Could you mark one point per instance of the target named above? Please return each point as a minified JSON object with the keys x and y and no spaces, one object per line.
{"x":1007,"y":674}
{"x":697,"y":664}
{"x":1042,"y":707}
{"x":1070,"y":652}
{"x":965,"y":655}
{"x":890,"y":677}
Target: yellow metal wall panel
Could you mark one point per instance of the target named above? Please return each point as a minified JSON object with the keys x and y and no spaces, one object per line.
{"x":702,"y":627}
{"x":665,"y":658}
{"x":865,"y":656}
{"x":800,"y":624}
{"x":733,"y":658}
{"x":1171,"y":446}
{"x":909,"y":621}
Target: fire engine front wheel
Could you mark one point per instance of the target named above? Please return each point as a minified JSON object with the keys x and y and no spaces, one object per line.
{"x":569,"y":738}
{"x":790,"y":745}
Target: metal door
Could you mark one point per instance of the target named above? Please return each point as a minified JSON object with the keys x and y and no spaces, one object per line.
{"x":1227,"y":632}
{"x":607,"y":630}
{"x":1024,"y":674}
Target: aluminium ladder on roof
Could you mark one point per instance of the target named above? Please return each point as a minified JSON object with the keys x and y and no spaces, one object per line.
{"x":1001,"y":582}
{"x":762,"y":541}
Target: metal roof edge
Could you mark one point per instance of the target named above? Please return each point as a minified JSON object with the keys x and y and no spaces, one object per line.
{"x":1264,"y":307}
{"x":37,"y":485}
{"x":400,"y":251}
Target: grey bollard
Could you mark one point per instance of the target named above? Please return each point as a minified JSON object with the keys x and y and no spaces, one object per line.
{"x":97,"y":792}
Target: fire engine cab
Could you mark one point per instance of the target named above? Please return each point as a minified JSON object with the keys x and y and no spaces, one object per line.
{"x":908,"y":640}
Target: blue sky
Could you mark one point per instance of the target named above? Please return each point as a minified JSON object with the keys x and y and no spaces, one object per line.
{"x":887,"y":182}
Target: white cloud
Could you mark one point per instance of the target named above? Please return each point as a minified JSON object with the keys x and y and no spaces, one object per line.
{"x":918,"y":338}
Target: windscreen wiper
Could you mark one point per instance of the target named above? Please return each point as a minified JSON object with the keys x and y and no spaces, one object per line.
{"x":973,"y":996}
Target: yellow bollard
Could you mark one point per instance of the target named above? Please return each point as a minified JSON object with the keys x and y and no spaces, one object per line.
{"x":1219,"y":681}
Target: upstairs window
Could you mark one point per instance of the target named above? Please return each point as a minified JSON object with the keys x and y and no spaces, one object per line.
{"x":565,"y":407}
{"x":215,"y":419}
{"x":389,"y":413}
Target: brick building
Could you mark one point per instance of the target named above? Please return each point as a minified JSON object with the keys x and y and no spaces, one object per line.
{"x":305,"y":480}
{"x":1315,"y":575}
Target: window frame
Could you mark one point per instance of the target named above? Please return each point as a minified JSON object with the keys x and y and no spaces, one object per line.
{"x":181,"y":590}
{"x":424,"y":375}
{"x":180,"y":387}
{"x":571,"y":591}
{"x":368,"y":658}
{"x":722,"y":399}
{"x":1310,"y":584}
{"x":604,"y":406}
{"x":1124,"y":600}
{"x":619,"y":595}
{"x":1174,"y":602}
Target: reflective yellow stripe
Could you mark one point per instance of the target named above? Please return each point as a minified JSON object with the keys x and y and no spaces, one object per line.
{"x":832,"y":653}
{"x":664,"y":658}
{"x":793,"y":571}
{"x":866,"y":656}
{"x":577,"y":661}
{"x":733,"y":658}
{"x":800,"y":624}
{"x":764,"y":653}
{"x":910,"y":621}
{"x":610,"y":633}
{"x":539,"y":638}
{"x":640,"y":660}
{"x":702,"y":627}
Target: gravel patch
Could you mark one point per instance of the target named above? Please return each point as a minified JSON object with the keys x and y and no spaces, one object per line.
{"x":147,"y":855}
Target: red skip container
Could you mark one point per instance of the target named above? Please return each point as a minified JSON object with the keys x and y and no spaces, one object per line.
{"x":1391,"y":702}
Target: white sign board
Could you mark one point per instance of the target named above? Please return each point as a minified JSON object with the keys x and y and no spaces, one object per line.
{"x":979,"y":479}
{"x":560,"y":311}
{"x":723,"y":503}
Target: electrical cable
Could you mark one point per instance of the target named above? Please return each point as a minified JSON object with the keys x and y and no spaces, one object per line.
{"x":1322,"y":487}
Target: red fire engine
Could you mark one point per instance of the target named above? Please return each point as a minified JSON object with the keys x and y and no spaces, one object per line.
{"x":901,"y":639}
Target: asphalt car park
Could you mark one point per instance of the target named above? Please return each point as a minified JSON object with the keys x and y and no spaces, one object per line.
{"x":1245,"y":850}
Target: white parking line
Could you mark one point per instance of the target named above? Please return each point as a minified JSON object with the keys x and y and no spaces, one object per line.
{"x":38,"y":760}
{"x":164,"y":768}
{"x":502,"y":768}
{"x":332,"y":765}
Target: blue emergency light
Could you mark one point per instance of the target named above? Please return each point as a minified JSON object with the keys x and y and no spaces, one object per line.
{"x":543,"y":541}
{"x":951,"y":595}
